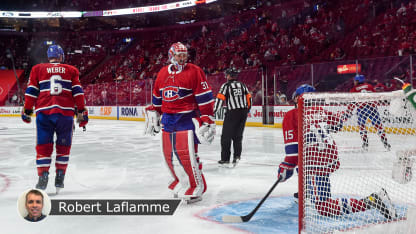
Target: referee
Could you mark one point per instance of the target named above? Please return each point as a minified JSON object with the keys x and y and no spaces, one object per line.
{"x":237,"y":99}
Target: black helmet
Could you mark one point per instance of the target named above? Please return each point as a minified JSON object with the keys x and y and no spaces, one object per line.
{"x":233,"y":72}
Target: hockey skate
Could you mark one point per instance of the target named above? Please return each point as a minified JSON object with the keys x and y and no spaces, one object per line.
{"x":365,"y":146}
{"x":235,"y":161}
{"x":386,"y":145}
{"x":43,"y":181}
{"x":193,"y":200}
{"x":224,"y":163}
{"x":59,"y":180}
{"x":296,"y":197}
{"x":381,"y":201}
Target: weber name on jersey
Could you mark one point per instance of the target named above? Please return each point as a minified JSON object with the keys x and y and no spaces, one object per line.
{"x":54,"y":88}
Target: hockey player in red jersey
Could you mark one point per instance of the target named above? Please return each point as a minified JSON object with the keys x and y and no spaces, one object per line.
{"x":182,"y":96}
{"x":322,"y":160}
{"x":54,"y":89}
{"x":366,"y":110}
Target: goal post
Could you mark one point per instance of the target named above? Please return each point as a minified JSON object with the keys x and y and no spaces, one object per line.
{"x":352,"y":147}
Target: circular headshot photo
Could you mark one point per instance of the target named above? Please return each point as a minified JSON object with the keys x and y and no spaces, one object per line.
{"x":34,"y":205}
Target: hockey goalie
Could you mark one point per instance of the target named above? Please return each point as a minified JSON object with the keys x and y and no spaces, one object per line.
{"x":320,"y":160}
{"x":184,"y":100}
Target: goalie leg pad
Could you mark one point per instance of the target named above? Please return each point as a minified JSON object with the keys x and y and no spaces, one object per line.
{"x":185,"y":165}
{"x":342,"y":206}
{"x":200,"y":169}
{"x":168,"y":156}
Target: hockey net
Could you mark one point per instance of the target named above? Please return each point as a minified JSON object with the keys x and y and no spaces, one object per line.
{"x":352,"y":145}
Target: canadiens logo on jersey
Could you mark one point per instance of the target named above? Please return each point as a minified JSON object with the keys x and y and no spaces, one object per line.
{"x":170,"y":94}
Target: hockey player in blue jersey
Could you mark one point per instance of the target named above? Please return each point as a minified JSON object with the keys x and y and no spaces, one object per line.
{"x":366,"y":110}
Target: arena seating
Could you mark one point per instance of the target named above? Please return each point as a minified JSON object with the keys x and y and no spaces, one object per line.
{"x":282,"y":40}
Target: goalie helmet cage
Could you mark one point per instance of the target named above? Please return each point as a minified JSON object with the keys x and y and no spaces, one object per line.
{"x":361,"y":171}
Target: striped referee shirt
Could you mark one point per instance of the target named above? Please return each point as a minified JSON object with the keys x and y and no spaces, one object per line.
{"x":234,"y":94}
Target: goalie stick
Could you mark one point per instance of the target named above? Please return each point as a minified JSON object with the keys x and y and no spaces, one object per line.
{"x":246,"y":218}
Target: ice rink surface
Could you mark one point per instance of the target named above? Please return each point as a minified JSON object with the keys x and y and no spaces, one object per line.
{"x":114,"y":160}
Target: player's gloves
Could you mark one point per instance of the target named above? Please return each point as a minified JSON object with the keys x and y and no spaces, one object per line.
{"x":152,"y":121}
{"x":285,"y":171}
{"x":82,"y":117}
{"x":27,"y":115}
{"x":204,"y":129}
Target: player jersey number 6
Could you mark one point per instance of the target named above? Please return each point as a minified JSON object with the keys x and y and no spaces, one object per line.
{"x":56,"y":86}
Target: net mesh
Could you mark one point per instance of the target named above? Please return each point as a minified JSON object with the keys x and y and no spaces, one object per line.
{"x":351,"y":148}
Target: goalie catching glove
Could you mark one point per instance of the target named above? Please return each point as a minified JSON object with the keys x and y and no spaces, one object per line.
{"x":27,"y":115}
{"x":204,"y":129}
{"x":82,"y":118}
{"x":152,"y":121}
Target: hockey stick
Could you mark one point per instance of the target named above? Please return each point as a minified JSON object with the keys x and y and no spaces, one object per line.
{"x":246,"y":218}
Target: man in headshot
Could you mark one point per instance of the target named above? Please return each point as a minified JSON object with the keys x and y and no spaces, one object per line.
{"x":34,"y":205}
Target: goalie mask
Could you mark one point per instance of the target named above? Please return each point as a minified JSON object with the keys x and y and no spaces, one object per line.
{"x":178,"y":54}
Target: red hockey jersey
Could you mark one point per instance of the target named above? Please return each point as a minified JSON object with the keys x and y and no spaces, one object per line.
{"x":182,"y":92}
{"x":361,"y":88}
{"x":320,"y":150}
{"x":54,"y":88}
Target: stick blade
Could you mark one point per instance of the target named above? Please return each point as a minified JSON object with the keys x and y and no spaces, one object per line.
{"x":232,"y":219}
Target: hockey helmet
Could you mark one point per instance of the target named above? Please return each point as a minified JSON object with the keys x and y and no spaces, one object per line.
{"x":233,"y":72}
{"x":55,"y":51}
{"x":359,"y":78}
{"x":176,"y":49}
{"x":305,"y":88}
